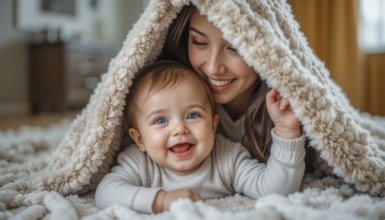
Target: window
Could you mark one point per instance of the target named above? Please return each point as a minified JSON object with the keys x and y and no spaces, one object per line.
{"x":372,"y":25}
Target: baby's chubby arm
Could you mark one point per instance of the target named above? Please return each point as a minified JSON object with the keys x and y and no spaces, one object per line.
{"x":282,"y":174}
{"x":124,"y":184}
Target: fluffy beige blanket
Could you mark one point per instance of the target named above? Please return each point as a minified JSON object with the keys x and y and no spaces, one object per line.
{"x":51,"y":173}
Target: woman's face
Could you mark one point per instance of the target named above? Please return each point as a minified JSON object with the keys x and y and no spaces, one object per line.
{"x":229,"y":77}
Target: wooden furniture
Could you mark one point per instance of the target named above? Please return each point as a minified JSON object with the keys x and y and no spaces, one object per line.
{"x":63,"y":76}
{"x":47,"y":77}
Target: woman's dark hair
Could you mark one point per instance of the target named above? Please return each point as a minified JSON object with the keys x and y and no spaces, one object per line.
{"x":176,"y":45}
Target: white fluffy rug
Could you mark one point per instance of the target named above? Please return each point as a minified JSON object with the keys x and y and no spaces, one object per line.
{"x":326,"y":198}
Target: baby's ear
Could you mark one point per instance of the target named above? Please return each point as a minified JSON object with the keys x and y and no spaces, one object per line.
{"x":135,"y":135}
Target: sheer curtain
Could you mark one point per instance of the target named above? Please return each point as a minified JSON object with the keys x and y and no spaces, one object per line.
{"x":372,"y":41}
{"x":331,"y":28}
{"x":372,"y":25}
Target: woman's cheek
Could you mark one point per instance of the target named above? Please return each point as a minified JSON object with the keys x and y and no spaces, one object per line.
{"x":194,"y":57}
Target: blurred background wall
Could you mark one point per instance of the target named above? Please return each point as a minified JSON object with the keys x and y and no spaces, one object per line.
{"x":85,"y":26}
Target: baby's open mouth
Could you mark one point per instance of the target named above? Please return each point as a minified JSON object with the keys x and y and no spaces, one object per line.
{"x":182,"y":150}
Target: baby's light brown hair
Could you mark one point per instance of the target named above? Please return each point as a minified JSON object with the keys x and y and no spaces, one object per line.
{"x":158,"y":76}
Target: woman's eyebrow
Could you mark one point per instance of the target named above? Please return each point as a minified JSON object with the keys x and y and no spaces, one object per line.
{"x":197,"y":31}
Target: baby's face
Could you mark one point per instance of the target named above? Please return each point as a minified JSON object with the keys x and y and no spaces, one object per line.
{"x":176,"y":127}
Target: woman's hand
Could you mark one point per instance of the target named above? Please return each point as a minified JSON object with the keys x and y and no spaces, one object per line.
{"x":286,"y":123}
{"x":164,"y":199}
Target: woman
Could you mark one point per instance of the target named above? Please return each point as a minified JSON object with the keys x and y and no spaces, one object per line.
{"x":238,"y":90}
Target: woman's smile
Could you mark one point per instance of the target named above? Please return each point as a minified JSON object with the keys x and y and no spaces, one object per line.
{"x":218,"y":86}
{"x":219,"y":83}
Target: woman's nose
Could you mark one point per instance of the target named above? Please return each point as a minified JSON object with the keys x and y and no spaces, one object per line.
{"x":215,"y":65}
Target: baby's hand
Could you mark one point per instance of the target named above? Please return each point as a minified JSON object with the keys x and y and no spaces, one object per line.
{"x":164,"y":199}
{"x":286,"y":123}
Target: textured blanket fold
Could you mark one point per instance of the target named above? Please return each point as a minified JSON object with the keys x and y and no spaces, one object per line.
{"x":267,"y":36}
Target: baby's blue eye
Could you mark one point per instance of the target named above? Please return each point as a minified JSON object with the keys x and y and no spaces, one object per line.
{"x":193,"y":115}
{"x":160,"y":121}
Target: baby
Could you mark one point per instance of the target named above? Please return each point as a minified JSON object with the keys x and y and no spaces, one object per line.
{"x":172,"y":119}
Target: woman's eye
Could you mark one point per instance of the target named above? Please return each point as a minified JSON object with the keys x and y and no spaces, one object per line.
{"x":232,"y":49}
{"x":160,"y":121}
{"x":198,"y":43}
{"x":193,"y":116}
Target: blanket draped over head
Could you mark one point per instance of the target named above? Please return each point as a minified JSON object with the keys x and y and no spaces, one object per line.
{"x":349,"y":143}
